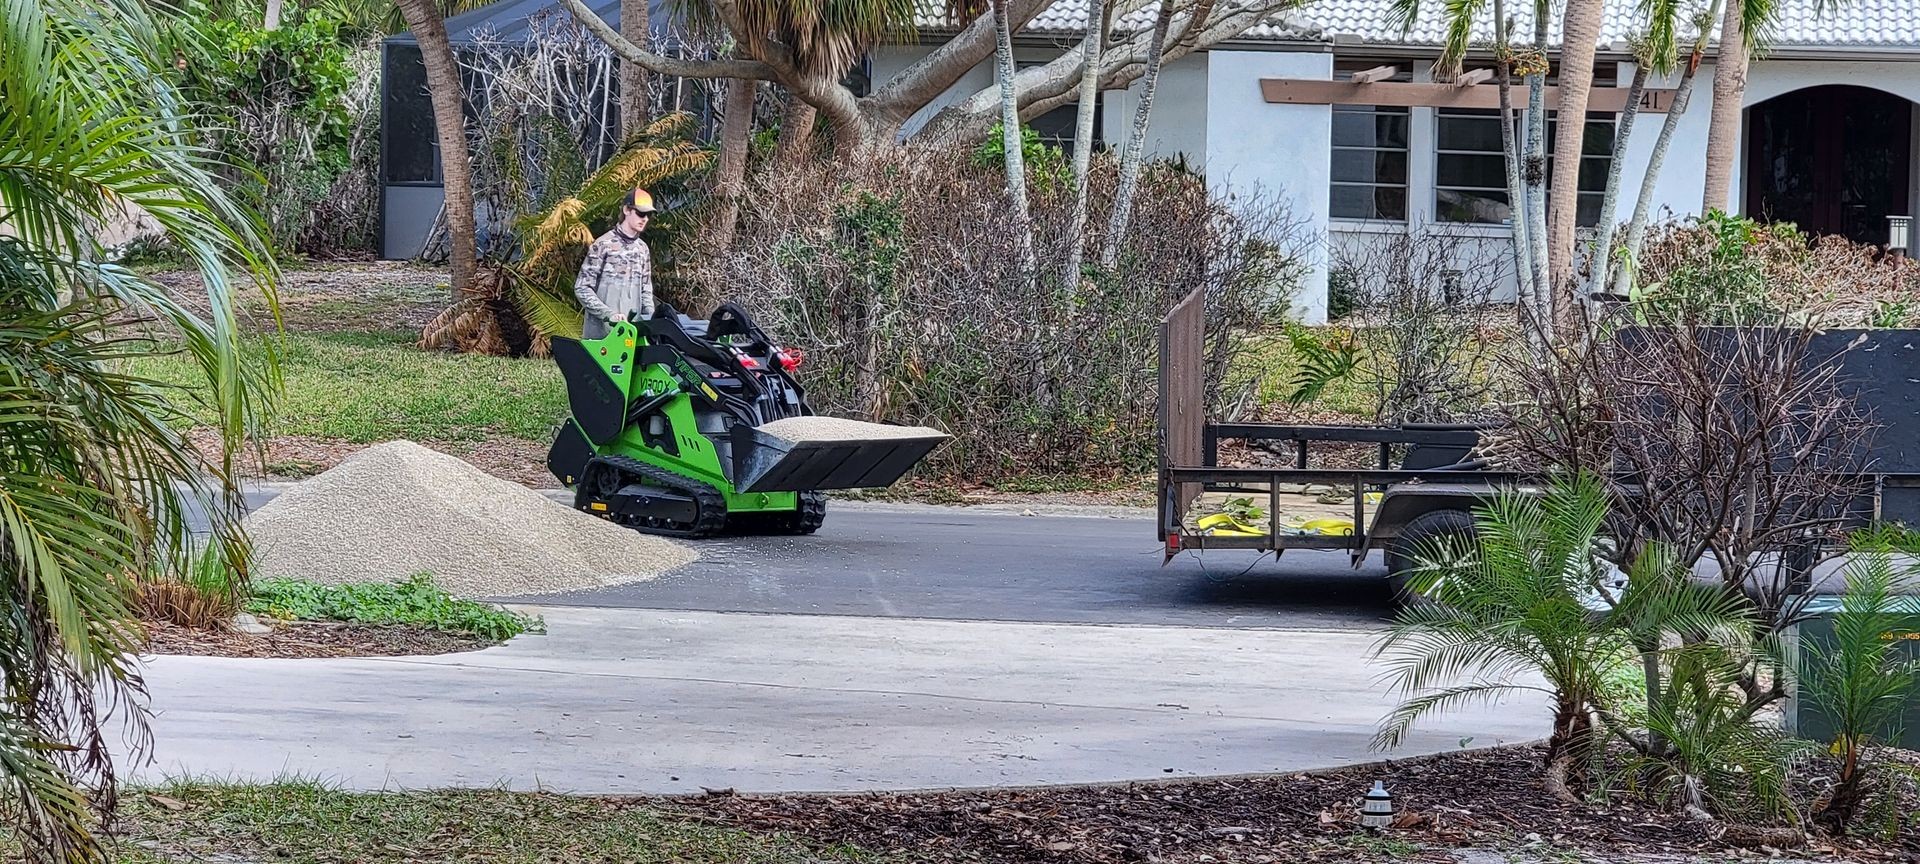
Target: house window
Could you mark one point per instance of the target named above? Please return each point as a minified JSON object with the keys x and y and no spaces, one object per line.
{"x":1470,"y":173}
{"x":1369,"y":155}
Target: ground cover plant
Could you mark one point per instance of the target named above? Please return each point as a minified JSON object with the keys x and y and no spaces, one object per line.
{"x":416,"y":601}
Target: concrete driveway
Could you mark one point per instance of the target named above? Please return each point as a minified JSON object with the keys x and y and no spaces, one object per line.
{"x":642,"y":701}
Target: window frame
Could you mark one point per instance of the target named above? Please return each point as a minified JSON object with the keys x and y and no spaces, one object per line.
{"x":1343,"y":69}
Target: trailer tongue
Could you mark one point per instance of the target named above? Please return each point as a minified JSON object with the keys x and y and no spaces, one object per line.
{"x":688,"y":428}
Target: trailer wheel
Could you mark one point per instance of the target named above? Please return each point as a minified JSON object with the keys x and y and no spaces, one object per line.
{"x":1416,"y":539}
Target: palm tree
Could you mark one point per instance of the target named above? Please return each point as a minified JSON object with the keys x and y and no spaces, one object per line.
{"x":1508,"y":605}
{"x":1581,"y":35}
{"x":633,"y":76}
{"x":1643,"y":208}
{"x":1729,"y":91}
{"x":1012,"y":140}
{"x":1131,"y":158}
{"x":97,"y":476}
{"x":450,"y":124}
{"x":1655,"y":50}
{"x":1091,"y":47}
{"x":736,"y":133}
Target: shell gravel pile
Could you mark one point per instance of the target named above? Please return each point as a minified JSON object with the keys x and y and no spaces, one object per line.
{"x":396,"y":509}
{"x":814,"y":428}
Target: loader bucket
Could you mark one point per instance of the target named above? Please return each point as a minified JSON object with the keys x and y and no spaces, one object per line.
{"x":768,"y":463}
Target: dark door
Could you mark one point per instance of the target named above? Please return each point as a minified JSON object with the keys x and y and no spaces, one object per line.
{"x":1832,"y":160}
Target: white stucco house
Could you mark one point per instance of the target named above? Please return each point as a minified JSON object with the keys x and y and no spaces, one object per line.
{"x":1828,"y":139}
{"x":1828,"y":136}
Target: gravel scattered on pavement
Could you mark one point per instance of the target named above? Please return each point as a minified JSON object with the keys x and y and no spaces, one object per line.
{"x":397,"y":509}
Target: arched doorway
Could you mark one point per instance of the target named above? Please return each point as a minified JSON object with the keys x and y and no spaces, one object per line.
{"x":1834,"y":159}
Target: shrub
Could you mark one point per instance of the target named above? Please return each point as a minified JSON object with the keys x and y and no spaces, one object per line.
{"x":296,"y":107}
{"x":1719,"y":269}
{"x":204,"y":594}
{"x":415,"y":601}
{"x":898,"y":276}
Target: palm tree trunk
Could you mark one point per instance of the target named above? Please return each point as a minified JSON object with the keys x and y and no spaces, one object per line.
{"x":634,"y":97}
{"x":1137,"y":141}
{"x":1642,"y":209}
{"x":796,"y":131}
{"x":1582,"y":33}
{"x":1536,"y":178}
{"x":736,"y":133}
{"x":1010,"y":138}
{"x":1091,"y":46}
{"x":450,"y":122}
{"x":1729,"y":91}
{"x":1524,"y":288}
{"x":1603,"y":245}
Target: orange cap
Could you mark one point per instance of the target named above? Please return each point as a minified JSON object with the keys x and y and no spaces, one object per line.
{"x":641,"y":200}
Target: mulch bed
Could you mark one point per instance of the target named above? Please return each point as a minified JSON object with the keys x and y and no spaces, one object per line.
{"x":301,"y":639}
{"x":1487,"y":799}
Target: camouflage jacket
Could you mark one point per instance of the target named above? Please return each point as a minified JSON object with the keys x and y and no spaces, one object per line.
{"x":616,"y":278}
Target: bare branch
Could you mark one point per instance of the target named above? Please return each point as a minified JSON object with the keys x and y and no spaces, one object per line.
{"x":945,"y":65}
{"x":661,"y":63}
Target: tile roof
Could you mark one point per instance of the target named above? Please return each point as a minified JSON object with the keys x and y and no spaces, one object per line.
{"x":1857,"y":25}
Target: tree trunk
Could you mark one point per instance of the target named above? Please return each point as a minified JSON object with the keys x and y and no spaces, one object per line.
{"x":271,"y":21}
{"x":450,"y":122}
{"x":634,"y":97}
{"x":1729,"y":91}
{"x":1642,"y":209}
{"x":1136,"y":141}
{"x":796,"y":131}
{"x":736,"y":133}
{"x":1090,"y":47}
{"x":1524,"y":289}
{"x":1603,"y":244}
{"x":1582,"y":29}
{"x":1010,"y":138}
{"x":1535,"y":176}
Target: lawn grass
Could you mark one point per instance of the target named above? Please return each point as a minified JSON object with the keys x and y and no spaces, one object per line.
{"x":301,"y":822}
{"x":367,"y":387}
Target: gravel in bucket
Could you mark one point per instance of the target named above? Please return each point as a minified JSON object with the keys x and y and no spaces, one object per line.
{"x":816,"y":428}
{"x":396,"y":509}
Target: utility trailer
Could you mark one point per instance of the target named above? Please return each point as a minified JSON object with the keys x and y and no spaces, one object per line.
{"x":1425,"y":483}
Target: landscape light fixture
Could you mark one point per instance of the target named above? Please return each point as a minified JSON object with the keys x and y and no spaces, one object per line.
{"x":1899,"y":235}
{"x":1377,"y":810}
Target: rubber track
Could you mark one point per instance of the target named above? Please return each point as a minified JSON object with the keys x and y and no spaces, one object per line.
{"x":710,"y":509}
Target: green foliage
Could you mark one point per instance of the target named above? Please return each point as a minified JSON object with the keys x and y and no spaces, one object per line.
{"x":280,"y":103}
{"x":97,"y":479}
{"x":416,"y":601}
{"x":1862,"y":678}
{"x":1048,"y":168}
{"x":1343,"y":293}
{"x":1322,"y":357}
{"x":1884,"y":537}
{"x":203,"y":593}
{"x":1508,"y":605}
{"x":1722,"y":278}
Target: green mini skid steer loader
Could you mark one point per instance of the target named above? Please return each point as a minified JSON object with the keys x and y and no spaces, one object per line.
{"x":665,"y":434}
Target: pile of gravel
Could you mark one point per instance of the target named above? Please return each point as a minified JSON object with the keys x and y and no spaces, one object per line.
{"x":396,"y":509}
{"x":839,"y":429}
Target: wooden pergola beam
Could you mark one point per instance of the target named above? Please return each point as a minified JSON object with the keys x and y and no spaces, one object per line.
{"x":1477,"y":76}
{"x":1443,"y":94}
{"x":1377,"y":73}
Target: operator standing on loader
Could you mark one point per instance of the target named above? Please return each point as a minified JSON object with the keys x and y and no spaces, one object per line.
{"x":617,"y":276}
